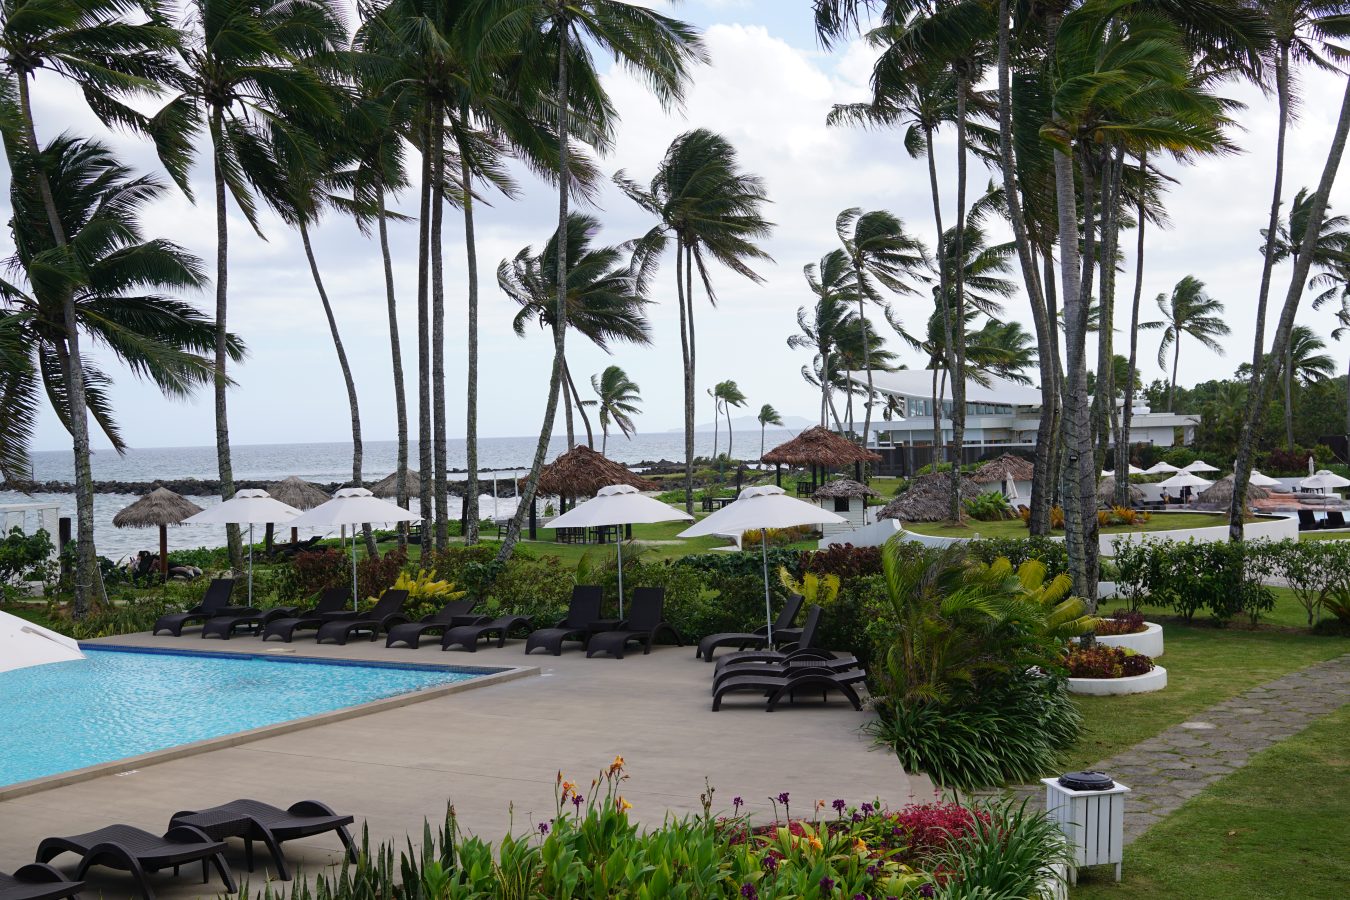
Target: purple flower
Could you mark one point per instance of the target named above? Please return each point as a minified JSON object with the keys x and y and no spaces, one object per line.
{"x":770,"y":863}
{"x":868,"y":809}
{"x":839,"y":806}
{"x":577,"y":801}
{"x":873,"y":870}
{"x":543,"y":828}
{"x":827,"y":884}
{"x":857,"y":817}
{"x":737,"y":803}
{"x":926,"y":890}
{"x":860,"y":896}
{"x":748,"y":891}
{"x":783,"y":797}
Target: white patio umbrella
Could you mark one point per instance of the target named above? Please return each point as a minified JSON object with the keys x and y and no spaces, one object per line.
{"x":763,"y":508}
{"x":1185,"y":479}
{"x":1010,"y":487}
{"x":247,"y":507}
{"x":1160,"y":468}
{"x":24,"y":644}
{"x":1200,"y":466}
{"x":619,"y":504}
{"x":353,"y":506}
{"x":1134,"y":470}
{"x":1261,"y":480}
{"x":1323,"y":480}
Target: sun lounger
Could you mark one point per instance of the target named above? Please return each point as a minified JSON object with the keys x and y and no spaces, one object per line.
{"x":582,"y":614}
{"x":332,"y":605}
{"x":253,"y":820}
{"x":805,"y":643}
{"x":832,"y":664}
{"x":214,"y":602}
{"x":456,"y":612}
{"x":255,"y":621}
{"x":37,"y":881}
{"x":141,"y":853}
{"x":647,"y":621}
{"x":757,"y":638}
{"x":779,"y":684}
{"x":387,"y":612}
{"x":1335,"y":519}
{"x":1307,"y":521}
{"x":466,"y":637}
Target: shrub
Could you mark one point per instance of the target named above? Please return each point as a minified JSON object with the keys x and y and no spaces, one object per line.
{"x":1052,"y":554}
{"x":317,"y":570}
{"x":426,"y":593}
{"x":1122,"y":621}
{"x":472,"y":568}
{"x":844,"y":560}
{"x":990,"y":506}
{"x":26,"y":557}
{"x":1220,"y":577}
{"x":1311,"y":569}
{"x":137,"y":614}
{"x":778,"y":537}
{"x":1101,"y":661}
{"x":526,"y":586}
{"x":376,"y":574}
{"x":720,"y":565}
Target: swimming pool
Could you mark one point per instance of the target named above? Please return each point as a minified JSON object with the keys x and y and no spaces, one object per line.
{"x":121,"y":702}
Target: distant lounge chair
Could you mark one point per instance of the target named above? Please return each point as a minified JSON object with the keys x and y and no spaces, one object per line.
{"x":141,"y":853}
{"x":1307,"y":521}
{"x":466,"y":637}
{"x":214,"y":602}
{"x":255,"y":621}
{"x":758,"y":637}
{"x":456,"y":612}
{"x":387,"y":612}
{"x":582,"y":614}
{"x":1335,"y":519}
{"x":253,"y":820}
{"x":776,"y":685}
{"x":647,"y":621}
{"x":332,"y":604}
{"x":805,"y":646}
{"x":37,"y":881}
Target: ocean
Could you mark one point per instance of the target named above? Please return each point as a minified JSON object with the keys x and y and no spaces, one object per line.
{"x":506,"y":458}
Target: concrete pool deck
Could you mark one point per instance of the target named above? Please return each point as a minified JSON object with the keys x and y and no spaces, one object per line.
{"x":485,"y":750}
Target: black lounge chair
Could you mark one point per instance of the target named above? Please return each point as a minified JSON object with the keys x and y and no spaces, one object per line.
{"x":582,"y":614}
{"x":253,"y":820}
{"x":332,"y":605}
{"x":456,"y":612}
{"x":1307,"y":521}
{"x":803,"y":647}
{"x":37,"y":881}
{"x":776,"y":685}
{"x":647,"y":621}
{"x":387,"y":612}
{"x":255,"y":621}
{"x":215,"y":602}
{"x":793,"y":663}
{"x":757,"y":638}
{"x":466,"y":637}
{"x":1335,"y":519}
{"x":141,"y":853}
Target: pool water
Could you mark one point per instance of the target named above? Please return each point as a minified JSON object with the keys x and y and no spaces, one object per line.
{"x":120,"y":703}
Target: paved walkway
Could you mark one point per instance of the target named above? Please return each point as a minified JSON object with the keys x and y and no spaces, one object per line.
{"x":1165,"y":771}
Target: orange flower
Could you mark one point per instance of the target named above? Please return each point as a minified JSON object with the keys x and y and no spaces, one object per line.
{"x":814,"y":843}
{"x":567,"y":789}
{"x":860,"y":845}
{"x":623,"y":805}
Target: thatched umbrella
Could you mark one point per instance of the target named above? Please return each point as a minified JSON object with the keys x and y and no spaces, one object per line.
{"x":819,"y":447}
{"x":843,"y":487}
{"x":387,"y":487}
{"x":581,"y":472}
{"x":295,"y":491}
{"x":1106,"y":492}
{"x":1221,"y":494}
{"x":161,"y":507}
{"x":996,"y":471}
{"x":928,"y":499}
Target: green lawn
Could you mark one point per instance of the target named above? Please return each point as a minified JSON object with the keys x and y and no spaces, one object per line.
{"x":1275,"y":828}
{"x":1324,"y":536}
{"x":1014,"y":528}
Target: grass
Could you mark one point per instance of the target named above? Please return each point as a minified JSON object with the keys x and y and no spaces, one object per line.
{"x":1275,"y":828}
{"x":1324,"y":536}
{"x":1015,"y":528}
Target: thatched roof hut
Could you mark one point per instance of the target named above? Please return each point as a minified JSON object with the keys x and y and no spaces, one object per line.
{"x":928,"y":499}
{"x":160,"y":508}
{"x":996,"y":471}
{"x":1220,"y":494}
{"x":296,"y":492}
{"x":581,"y":472}
{"x":387,"y":487}
{"x":843,"y":487}
{"x":1106,"y":492}
{"x":819,"y":447}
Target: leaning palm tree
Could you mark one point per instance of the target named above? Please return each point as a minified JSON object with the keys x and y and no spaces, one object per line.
{"x":617,"y":404}
{"x":1187,"y":311}
{"x":714,"y":212}
{"x":119,"y":282}
{"x":728,"y":393}
{"x":247,"y":83}
{"x":112,"y":49}
{"x":834,"y":283}
{"x":19,"y":399}
{"x":656,"y":47}
{"x":767,"y":416}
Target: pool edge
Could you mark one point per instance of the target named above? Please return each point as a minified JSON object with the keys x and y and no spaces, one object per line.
{"x":128,"y":764}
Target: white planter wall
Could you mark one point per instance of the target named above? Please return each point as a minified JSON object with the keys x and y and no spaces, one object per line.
{"x":1148,"y":642}
{"x":1275,"y":528}
{"x":1134,"y":684}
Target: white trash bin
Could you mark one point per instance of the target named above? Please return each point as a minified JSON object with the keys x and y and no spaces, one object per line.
{"x":1089,"y":808}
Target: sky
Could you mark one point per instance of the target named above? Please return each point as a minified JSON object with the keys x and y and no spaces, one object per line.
{"x":768,"y":88}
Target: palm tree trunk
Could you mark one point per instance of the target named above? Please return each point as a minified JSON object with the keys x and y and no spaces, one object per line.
{"x":442,"y":498}
{"x":88,"y":587}
{"x":937,"y":418}
{"x":396,"y":357}
{"x":1104,"y":398}
{"x":1080,"y":529}
{"x":568,"y":399}
{"x":1055,"y":452}
{"x":867,"y":355}
{"x":726,"y":407}
{"x":1176,"y":358}
{"x":688,"y":362}
{"x":471,"y":514}
{"x":1282,"y":98}
{"x":581,"y":410}
{"x":944,"y":279}
{"x":424,"y":455}
{"x":717,"y":422}
{"x":1127,"y":414}
{"x":560,"y":312}
{"x":1256,"y":399}
{"x":346,"y":368}
{"x":958,"y":317}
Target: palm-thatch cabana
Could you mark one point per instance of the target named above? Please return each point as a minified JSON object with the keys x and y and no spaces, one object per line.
{"x":819,"y":448}
{"x":581,"y":472}
{"x":1220,"y":494}
{"x":387,"y":487}
{"x":844,"y":497}
{"x":294,"y":491}
{"x":1106,"y":492}
{"x":159,"y":508}
{"x":928,"y":499}
{"x":843,"y":487}
{"x":997,"y":471}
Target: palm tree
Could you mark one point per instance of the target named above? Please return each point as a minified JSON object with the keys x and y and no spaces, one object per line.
{"x":658,"y":48}
{"x":729,"y":395}
{"x":618,"y":403}
{"x":834,"y":283}
{"x":883,"y":253}
{"x":104,"y":47}
{"x":717,"y":418}
{"x":1187,"y":311}
{"x":19,"y":401}
{"x":247,"y":82}
{"x":713,"y":210}
{"x":767,"y":416}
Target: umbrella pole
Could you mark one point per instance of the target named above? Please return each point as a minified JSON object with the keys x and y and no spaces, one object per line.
{"x":354,"y":597}
{"x":768,"y":608}
{"x":250,"y":563}
{"x":164,"y":552}
{"x":619,"y":545}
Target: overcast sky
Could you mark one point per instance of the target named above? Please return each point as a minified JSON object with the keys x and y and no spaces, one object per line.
{"x":768,"y":89}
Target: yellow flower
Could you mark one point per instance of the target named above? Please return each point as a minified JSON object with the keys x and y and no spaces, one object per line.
{"x":624,"y":805}
{"x":814,"y":843}
{"x":820,"y":804}
{"x":860,"y":845}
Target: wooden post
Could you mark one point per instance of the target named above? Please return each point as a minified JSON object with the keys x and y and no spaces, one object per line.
{"x":534,"y":519}
{"x":164,"y":551}
{"x":778,"y":474}
{"x":62,"y":538}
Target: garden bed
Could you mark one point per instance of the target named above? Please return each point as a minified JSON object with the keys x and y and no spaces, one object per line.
{"x":1148,"y":642}
{"x":1147,"y":683}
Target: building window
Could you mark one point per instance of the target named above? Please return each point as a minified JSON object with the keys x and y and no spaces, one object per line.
{"x":841,"y":504}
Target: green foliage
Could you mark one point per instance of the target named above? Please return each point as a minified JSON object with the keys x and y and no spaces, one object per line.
{"x":990,"y":506}
{"x":204,"y":558}
{"x":527,"y":586}
{"x":317,"y":570}
{"x":376,"y":574}
{"x":473,"y":568}
{"x":1311,"y":569}
{"x":1054,"y":555}
{"x":134,"y":615}
{"x":720,"y":565}
{"x":843,"y":560}
{"x":426,"y":593}
{"x":1011,"y":852}
{"x":26,"y":557}
{"x":1220,"y":577}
